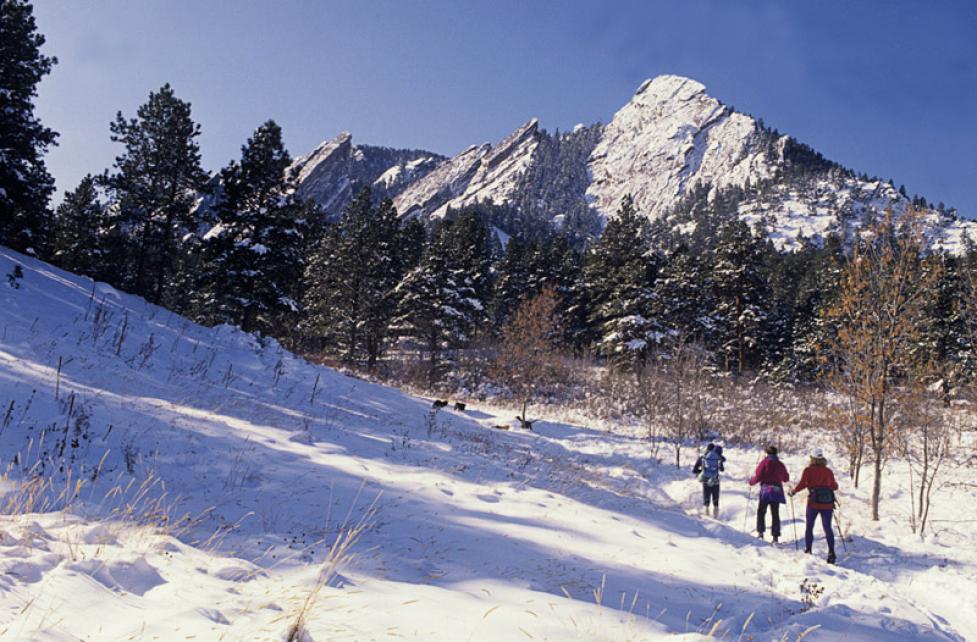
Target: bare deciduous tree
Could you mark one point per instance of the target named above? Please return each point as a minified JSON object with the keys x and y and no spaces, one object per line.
{"x":878,"y":319}
{"x":528,"y":360}
{"x":929,"y":426}
{"x":687,"y":376}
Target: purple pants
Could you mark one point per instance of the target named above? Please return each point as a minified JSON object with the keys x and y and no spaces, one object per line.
{"x":812,"y":514}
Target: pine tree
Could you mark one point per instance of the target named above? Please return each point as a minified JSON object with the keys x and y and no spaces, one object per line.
{"x":683,"y":298}
{"x":470,"y":243}
{"x":946,"y":337}
{"x":807,"y":285}
{"x":155,"y":184}
{"x":78,"y":229}
{"x":741,"y":294}
{"x":511,"y":282}
{"x":442,"y":302}
{"x":350,"y":295}
{"x":557,"y":265}
{"x":25,"y":184}
{"x":253,"y":256}
{"x":618,"y":277}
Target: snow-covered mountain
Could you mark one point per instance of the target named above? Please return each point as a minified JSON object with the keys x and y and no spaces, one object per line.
{"x":673,"y":142}
{"x":482,"y":173}
{"x":669,"y":138}
{"x":670,"y":146}
{"x":333,"y":172}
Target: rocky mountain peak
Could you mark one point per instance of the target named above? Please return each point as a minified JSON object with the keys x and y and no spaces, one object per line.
{"x":675,"y":149}
{"x":669,"y":138}
{"x":668,"y":87}
{"x":481,"y":173}
{"x":328,"y":151}
{"x":333,"y":172}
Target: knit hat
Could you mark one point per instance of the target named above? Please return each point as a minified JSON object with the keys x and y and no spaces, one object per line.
{"x":771,"y":450}
{"x":817,"y":454}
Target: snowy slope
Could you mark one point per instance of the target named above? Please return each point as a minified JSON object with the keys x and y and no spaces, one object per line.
{"x":567,"y":533}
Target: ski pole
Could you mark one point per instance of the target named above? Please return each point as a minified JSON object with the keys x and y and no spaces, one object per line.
{"x":841,"y":531}
{"x":746,"y":513}
{"x":793,"y":520}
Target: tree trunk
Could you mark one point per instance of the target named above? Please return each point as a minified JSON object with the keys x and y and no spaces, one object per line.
{"x":141,"y":259}
{"x":925,"y":473}
{"x":877,"y":485}
{"x":166,"y":251}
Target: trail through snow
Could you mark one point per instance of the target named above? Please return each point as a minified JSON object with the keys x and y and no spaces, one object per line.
{"x":568,"y":532}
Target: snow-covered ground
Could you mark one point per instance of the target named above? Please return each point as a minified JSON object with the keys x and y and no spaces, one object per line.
{"x":475,"y":533}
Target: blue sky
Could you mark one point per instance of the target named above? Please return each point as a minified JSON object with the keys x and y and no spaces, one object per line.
{"x":889,"y":88}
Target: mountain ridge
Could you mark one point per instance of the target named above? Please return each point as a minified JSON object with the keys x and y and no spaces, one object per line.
{"x":670,"y":142}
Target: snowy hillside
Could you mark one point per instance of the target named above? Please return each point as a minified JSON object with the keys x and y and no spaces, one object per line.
{"x":475,"y":533}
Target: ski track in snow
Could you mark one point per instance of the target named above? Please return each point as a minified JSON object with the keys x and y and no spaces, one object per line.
{"x":478,"y":534}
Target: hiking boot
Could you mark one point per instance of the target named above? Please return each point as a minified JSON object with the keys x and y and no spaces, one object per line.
{"x":715,"y":511}
{"x":807,"y":550}
{"x":831,"y":557}
{"x":759,"y":535}
{"x":776,"y":539}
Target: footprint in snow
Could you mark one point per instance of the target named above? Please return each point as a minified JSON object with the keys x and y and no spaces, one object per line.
{"x":138,"y":577}
{"x":99,"y":535}
{"x":491,"y":499}
{"x":213,"y":615}
{"x":239,"y":573}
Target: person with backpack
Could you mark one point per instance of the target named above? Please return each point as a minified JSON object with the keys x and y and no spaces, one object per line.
{"x":771,"y":475}
{"x":707,"y":467}
{"x":820,"y":483}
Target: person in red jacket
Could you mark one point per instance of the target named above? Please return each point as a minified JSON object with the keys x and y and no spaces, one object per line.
{"x":821,"y":485}
{"x":771,"y":475}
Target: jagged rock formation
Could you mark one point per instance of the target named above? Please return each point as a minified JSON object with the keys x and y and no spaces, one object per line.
{"x":670,"y":138}
{"x":676,"y":150}
{"x":333,"y":172}
{"x":480,"y":174}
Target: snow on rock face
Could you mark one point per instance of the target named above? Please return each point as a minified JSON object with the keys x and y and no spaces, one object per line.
{"x":400,"y":176}
{"x":669,"y":138}
{"x":323,"y":174}
{"x":672,"y":137}
{"x":480,"y":173}
{"x":443,"y":184}
{"x":668,"y":141}
{"x":334,"y":171}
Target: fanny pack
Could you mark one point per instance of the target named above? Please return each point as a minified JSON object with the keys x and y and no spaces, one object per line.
{"x":772,"y":493}
{"x":823,"y":496}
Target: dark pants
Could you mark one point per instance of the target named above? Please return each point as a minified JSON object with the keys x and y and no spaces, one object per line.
{"x":710,"y":491}
{"x":812,"y":514}
{"x":761,"y":513}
